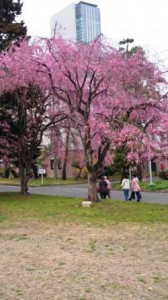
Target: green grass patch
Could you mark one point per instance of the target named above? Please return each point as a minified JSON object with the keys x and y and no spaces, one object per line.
{"x":46,"y":181}
{"x":158,"y":185}
{"x":56,"y":209}
{"x":2,"y":218}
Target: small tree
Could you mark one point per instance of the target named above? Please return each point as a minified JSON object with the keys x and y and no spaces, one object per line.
{"x":26,"y":103}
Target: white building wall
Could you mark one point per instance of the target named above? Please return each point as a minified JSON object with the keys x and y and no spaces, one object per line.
{"x":65,"y":23}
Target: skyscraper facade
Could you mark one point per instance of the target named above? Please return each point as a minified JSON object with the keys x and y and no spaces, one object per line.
{"x":78,"y":22}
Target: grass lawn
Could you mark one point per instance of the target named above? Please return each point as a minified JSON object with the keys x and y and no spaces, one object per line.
{"x":46,"y":181}
{"x":53,"y":248}
{"x":58,"y":209}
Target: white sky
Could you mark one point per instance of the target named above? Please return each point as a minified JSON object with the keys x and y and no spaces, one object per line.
{"x":146,"y":21}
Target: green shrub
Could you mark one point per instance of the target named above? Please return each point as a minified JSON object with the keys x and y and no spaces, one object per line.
{"x":163,"y":174}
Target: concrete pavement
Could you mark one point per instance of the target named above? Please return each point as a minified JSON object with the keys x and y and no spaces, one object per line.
{"x":80,"y":191}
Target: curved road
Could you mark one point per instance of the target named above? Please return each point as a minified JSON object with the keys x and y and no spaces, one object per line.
{"x":80,"y":191}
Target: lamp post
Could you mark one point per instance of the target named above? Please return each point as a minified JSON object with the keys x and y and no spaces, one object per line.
{"x":150,"y":172}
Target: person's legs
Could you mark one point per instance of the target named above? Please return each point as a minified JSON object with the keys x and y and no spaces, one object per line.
{"x":103,"y":195}
{"x":138,"y":194}
{"x":132,"y":196}
{"x":126,"y":194}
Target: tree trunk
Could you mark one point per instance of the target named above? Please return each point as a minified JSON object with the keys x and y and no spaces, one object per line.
{"x":35,"y":171}
{"x":64,"y":175}
{"x":139,"y":172}
{"x":64,"y":169}
{"x":24,"y":178}
{"x":92,"y":190}
{"x":125,"y":171}
{"x":79,"y":174}
{"x":55,"y":166}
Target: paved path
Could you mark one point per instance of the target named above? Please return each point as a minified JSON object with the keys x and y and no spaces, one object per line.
{"x":80,"y":191}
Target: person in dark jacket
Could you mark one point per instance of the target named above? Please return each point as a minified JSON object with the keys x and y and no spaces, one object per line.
{"x":108,"y":186}
{"x":103,"y":188}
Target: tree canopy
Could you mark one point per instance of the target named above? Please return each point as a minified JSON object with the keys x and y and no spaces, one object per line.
{"x":111,"y":99}
{"x":106,"y":97}
{"x":10,"y":29}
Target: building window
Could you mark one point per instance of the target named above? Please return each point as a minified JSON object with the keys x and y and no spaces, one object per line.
{"x":52,"y":164}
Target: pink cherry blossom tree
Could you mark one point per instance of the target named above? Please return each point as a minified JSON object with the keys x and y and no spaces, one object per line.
{"x":107,"y":97}
{"x":110,"y":99}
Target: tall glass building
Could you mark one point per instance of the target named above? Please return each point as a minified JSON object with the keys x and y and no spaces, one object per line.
{"x":78,"y":22}
{"x":87,"y":21}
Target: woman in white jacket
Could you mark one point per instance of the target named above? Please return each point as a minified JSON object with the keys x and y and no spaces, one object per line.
{"x":125,"y":184}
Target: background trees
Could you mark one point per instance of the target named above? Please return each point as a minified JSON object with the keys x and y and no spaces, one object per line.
{"x":10,"y":29}
{"x":10,"y":32}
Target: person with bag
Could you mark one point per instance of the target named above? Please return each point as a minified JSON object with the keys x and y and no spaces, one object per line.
{"x":135,"y":188}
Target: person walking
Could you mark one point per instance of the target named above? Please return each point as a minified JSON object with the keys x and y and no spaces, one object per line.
{"x":125,"y":184}
{"x":103,"y":188}
{"x":135,"y":188}
{"x":132,"y":196}
{"x":108,"y":186}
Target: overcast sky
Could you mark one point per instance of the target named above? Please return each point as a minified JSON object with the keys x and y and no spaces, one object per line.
{"x":145,"y":21}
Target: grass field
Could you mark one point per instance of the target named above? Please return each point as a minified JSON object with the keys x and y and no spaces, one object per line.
{"x":61,"y":210}
{"x":53,"y":248}
{"x":46,"y":181}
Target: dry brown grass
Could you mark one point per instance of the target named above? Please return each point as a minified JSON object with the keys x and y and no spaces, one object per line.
{"x":41,"y":261}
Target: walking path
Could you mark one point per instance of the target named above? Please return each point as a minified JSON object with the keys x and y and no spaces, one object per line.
{"x":80,"y":191}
